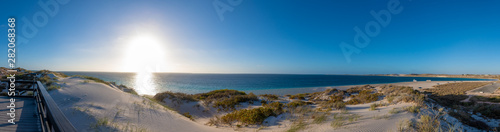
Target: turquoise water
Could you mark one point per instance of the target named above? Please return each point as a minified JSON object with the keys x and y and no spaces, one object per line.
{"x":198,"y":83}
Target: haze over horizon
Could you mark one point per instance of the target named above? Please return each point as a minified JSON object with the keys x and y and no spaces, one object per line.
{"x":293,"y":37}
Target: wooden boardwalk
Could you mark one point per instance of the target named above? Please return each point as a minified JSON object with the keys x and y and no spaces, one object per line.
{"x":26,"y":117}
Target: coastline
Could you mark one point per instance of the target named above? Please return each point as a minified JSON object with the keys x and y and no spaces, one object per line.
{"x":292,"y":91}
{"x":89,"y":103}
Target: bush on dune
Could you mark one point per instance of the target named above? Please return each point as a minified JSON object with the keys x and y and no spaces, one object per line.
{"x":231,"y":102}
{"x":218,"y":94}
{"x":249,"y":116}
{"x":298,"y":96}
{"x":172,"y":95}
{"x":394,"y":94}
{"x":222,"y":99}
{"x":269,"y":97}
{"x":295,"y":104}
{"x":364,"y":96}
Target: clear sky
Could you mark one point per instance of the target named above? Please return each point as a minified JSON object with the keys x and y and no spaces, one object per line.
{"x":259,"y":36}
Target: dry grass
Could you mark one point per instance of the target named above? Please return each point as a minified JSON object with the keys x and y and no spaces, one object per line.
{"x":455,"y":88}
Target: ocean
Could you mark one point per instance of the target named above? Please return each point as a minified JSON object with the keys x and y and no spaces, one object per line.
{"x":153,"y":83}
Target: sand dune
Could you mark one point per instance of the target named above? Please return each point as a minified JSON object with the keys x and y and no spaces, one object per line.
{"x":92,"y":106}
{"x":84,"y":104}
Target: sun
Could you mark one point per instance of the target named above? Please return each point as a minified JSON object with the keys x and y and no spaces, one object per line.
{"x":144,"y":53}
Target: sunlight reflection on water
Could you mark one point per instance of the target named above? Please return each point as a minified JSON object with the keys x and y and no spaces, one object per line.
{"x":144,"y":83}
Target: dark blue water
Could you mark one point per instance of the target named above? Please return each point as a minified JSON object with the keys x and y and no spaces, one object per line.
{"x":198,"y":83}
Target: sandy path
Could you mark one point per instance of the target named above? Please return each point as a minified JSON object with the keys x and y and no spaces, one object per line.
{"x":85,"y":103}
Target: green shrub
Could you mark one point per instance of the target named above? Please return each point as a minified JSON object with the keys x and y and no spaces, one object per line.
{"x":364,"y":96}
{"x":248,"y":116}
{"x":218,"y":94}
{"x":276,"y":106}
{"x":339,"y":105}
{"x":353,"y":101}
{"x":298,"y":96}
{"x":269,"y":97}
{"x":295,"y":104}
{"x":171,"y":95}
{"x":230,"y":103}
{"x":263,"y":102}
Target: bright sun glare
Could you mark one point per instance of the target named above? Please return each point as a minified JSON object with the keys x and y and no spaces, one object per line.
{"x":144,"y":55}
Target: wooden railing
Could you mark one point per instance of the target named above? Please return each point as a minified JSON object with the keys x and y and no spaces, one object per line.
{"x":51,"y":116}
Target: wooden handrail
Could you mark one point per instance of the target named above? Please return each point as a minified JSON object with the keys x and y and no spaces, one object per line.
{"x":52,"y":117}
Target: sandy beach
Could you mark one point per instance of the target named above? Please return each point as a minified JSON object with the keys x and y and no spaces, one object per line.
{"x":92,"y":106}
{"x":86,"y":104}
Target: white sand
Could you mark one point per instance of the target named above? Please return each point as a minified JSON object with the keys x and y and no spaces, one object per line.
{"x":85,"y":103}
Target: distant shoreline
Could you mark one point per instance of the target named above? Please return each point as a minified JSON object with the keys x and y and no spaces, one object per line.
{"x":257,"y":83}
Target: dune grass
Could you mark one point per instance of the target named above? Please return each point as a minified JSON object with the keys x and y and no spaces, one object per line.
{"x":320,"y":119}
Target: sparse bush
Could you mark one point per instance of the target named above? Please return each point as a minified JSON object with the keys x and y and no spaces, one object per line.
{"x":428,"y":124}
{"x":412,"y":109}
{"x":298,"y":125}
{"x":188,"y":116}
{"x":295,"y":104}
{"x":394,"y":111}
{"x":218,"y":94}
{"x":364,"y":96}
{"x":320,"y":119}
{"x":269,"y":97}
{"x":230,"y":103}
{"x":353,"y":117}
{"x":338,"y":121}
{"x":263,"y":102}
{"x":373,"y":107}
{"x":299,"y":96}
{"x":172,"y":95}
{"x":53,"y":87}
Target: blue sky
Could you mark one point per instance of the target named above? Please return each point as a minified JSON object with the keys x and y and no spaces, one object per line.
{"x":293,"y":36}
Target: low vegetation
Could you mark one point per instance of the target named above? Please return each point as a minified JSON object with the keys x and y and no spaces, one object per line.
{"x":269,"y":97}
{"x":223,"y":99}
{"x":467,"y":119}
{"x":299,"y":96}
{"x":395,"y":94}
{"x":364,"y":96}
{"x":320,"y":119}
{"x":174,"y":96}
{"x":412,"y":109}
{"x":295,"y":104}
{"x":455,"y":88}
{"x":53,"y":87}
{"x":189,"y":116}
{"x":338,"y":120}
{"x":250,"y":116}
{"x":493,"y":99}
{"x":298,"y":125}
